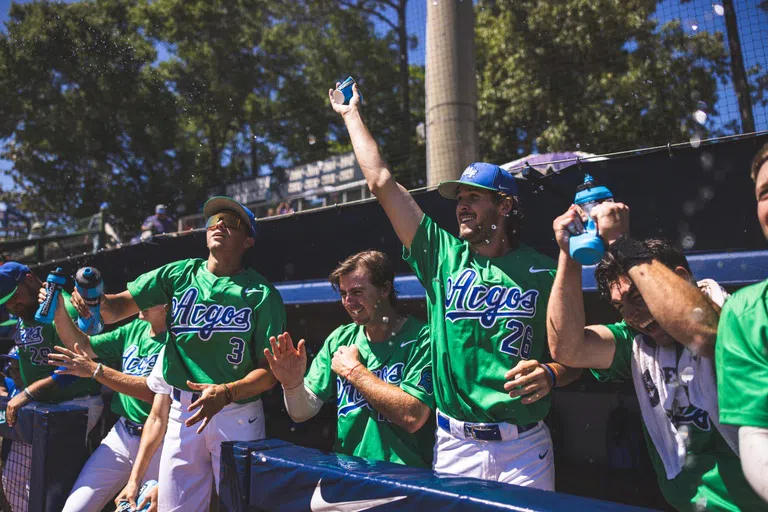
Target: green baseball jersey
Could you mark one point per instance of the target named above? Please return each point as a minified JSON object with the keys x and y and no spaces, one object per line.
{"x":219,"y":326}
{"x":130,"y":348}
{"x":35,"y":341}
{"x":741,"y":355}
{"x":404,"y":361}
{"x":485,"y":316}
{"x":712,"y":478}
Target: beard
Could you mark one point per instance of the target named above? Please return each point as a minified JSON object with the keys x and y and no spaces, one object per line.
{"x":484,"y":232}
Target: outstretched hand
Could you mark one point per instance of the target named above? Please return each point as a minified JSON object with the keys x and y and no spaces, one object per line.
{"x":213,"y":398}
{"x":76,"y":362}
{"x":354,"y":102}
{"x":288,"y":363}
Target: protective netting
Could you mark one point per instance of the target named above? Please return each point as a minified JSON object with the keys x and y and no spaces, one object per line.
{"x":17,"y":468}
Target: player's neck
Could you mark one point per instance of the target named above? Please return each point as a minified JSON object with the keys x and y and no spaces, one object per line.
{"x":495,"y":246}
{"x":224,"y":265}
{"x":157,"y":328}
{"x":381,"y":330}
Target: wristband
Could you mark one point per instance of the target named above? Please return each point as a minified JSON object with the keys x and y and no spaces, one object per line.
{"x":228,"y":393}
{"x":629,"y":252}
{"x":350,"y":371}
{"x":29,"y":394}
{"x":96,"y":372}
{"x":551,"y":373}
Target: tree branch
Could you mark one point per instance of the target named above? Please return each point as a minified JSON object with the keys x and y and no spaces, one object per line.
{"x":361,"y":7}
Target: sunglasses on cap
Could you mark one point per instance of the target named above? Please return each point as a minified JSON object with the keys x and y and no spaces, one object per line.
{"x":230,"y":220}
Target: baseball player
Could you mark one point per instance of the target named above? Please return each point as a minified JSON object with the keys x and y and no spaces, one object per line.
{"x":35,"y":341}
{"x":222,"y":317}
{"x":134,"y":348}
{"x":151,"y":440}
{"x":486,"y":300}
{"x":12,"y":373}
{"x":741,"y":355}
{"x":664,"y":344}
{"x":378,"y":368}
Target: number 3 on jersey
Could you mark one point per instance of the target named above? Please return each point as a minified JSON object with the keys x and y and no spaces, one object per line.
{"x":238,"y":349}
{"x":519,"y":331}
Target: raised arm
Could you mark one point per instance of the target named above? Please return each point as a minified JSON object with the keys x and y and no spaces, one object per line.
{"x":677,"y":305}
{"x":68,"y":332}
{"x":114,"y":307}
{"x":570,"y":342}
{"x":402,"y":210}
{"x":402,"y":409}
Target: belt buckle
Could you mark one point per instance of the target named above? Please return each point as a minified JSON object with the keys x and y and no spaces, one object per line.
{"x":481,"y":432}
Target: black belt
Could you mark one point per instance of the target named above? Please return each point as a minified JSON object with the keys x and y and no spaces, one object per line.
{"x":132,"y":427}
{"x":177,"y":395}
{"x":481,"y":431}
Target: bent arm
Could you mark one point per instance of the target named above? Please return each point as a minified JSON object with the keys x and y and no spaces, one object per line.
{"x":570,"y":342}
{"x":151,"y":437}
{"x":40,"y":389}
{"x":402,"y":210}
{"x":396,"y":405}
{"x":69,"y":332}
{"x":301,"y":403}
{"x":255,"y":383}
{"x":565,"y":374}
{"x":678,"y":306}
{"x":116,"y":307}
{"x":753,"y":447}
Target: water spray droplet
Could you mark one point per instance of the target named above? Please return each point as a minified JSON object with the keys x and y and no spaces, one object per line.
{"x":719,"y":9}
{"x":687,"y":375}
{"x":385,"y":319}
{"x":493,"y":226}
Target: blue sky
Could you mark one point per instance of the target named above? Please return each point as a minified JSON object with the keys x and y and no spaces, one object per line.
{"x":696,"y":15}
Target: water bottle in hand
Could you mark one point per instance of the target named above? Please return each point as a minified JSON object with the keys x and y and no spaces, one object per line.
{"x":47,"y":309}
{"x":587,"y":248}
{"x":90,"y":287}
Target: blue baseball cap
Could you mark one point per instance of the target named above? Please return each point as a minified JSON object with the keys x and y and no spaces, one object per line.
{"x":12,"y":354}
{"x":220,"y":203}
{"x":480,"y":175}
{"x":11,"y":274}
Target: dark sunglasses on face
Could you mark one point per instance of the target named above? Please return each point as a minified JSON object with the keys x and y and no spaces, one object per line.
{"x":230,"y":220}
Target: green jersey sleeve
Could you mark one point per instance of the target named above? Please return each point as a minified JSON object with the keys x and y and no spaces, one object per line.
{"x":321,"y":380}
{"x":270,"y":321}
{"x":417,"y":377}
{"x":156,"y":286}
{"x":621,"y":367}
{"x":429,"y":242}
{"x":109,"y":346}
{"x":742,"y":359}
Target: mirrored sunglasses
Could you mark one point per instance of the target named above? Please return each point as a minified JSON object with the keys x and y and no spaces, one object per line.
{"x":229,"y":219}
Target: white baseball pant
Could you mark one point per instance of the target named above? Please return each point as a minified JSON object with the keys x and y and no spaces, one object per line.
{"x":108,"y":469}
{"x":524,"y":459}
{"x":190,"y":461}
{"x":16,"y":473}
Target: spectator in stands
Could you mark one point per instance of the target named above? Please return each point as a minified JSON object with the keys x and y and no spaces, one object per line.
{"x":36,"y":231}
{"x":284,"y":208}
{"x":131,"y":352}
{"x":270,"y":212}
{"x":742,"y":357}
{"x":158,"y":223}
{"x":664,"y":344}
{"x":378,"y":368}
{"x":19,"y":289}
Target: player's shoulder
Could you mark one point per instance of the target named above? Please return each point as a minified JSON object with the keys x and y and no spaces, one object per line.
{"x":750,"y":298}
{"x":343,"y":335}
{"x":253,"y":282}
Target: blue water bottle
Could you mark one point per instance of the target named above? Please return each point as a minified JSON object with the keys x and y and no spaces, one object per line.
{"x":148,"y":486}
{"x":47,"y":309}
{"x":587,"y":248}
{"x":90,"y":287}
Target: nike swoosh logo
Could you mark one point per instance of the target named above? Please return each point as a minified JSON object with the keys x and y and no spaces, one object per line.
{"x":542,"y":455}
{"x":252,"y":420}
{"x":252,"y":290}
{"x":537,"y":270}
{"x":406,"y":343}
{"x":318,"y":503}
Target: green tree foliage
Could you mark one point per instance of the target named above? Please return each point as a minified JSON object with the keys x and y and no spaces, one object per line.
{"x":84,"y":116}
{"x":597,"y":75}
